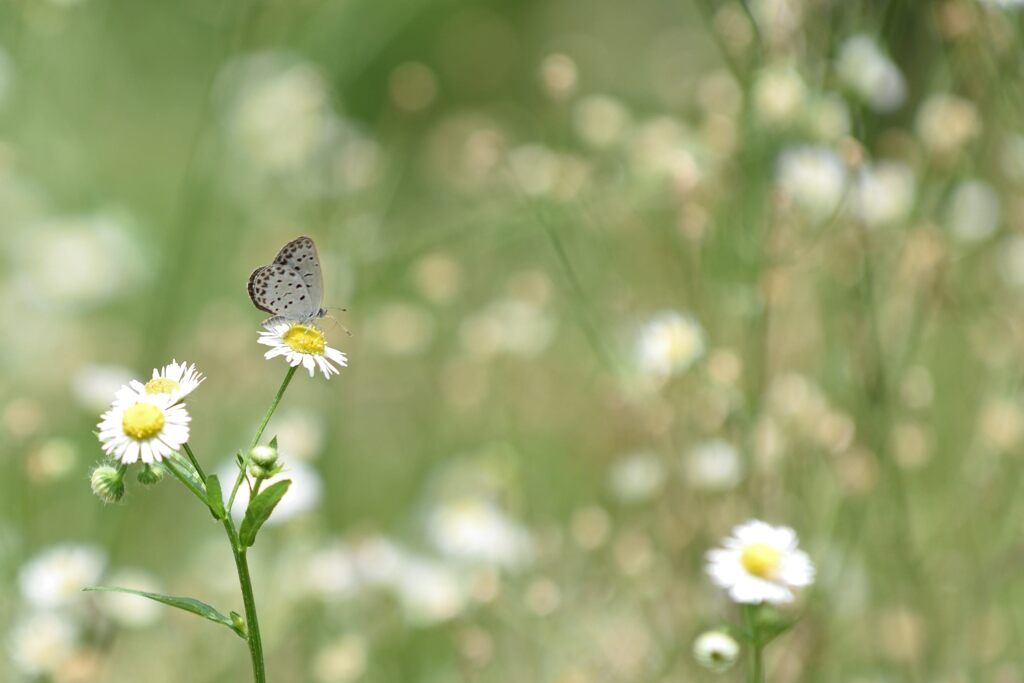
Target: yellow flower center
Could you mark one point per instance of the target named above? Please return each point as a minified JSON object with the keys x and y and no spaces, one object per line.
{"x":305,"y":339}
{"x":161,"y":385}
{"x":142,"y":421}
{"x":761,"y":560}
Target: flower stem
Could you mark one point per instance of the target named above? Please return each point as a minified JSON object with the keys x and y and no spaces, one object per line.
{"x":259,"y":433}
{"x":757,"y":644}
{"x":252,"y":624}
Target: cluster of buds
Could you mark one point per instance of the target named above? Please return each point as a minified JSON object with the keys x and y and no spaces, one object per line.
{"x":264,"y":462}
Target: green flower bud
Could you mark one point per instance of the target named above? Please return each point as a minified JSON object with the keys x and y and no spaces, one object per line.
{"x":260,"y":472}
{"x":107,"y":483}
{"x":151,"y":475}
{"x":264,"y":456}
{"x":716,"y":650}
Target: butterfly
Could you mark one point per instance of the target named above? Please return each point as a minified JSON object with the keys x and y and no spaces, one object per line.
{"x":292,"y":287}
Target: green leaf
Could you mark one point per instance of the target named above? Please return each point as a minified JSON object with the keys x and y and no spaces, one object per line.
{"x":273,"y":442}
{"x":259,"y":511}
{"x":188,"y":604}
{"x":214,"y":496}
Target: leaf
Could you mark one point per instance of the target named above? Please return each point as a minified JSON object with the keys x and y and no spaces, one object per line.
{"x":215,"y":497}
{"x":188,"y":604}
{"x":259,"y":511}
{"x":273,"y":442}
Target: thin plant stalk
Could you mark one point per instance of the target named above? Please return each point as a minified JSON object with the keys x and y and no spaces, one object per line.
{"x":757,"y":674}
{"x":238,"y":551}
{"x":259,"y":433}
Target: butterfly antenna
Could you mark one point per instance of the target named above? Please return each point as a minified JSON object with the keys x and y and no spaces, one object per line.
{"x":338,"y":323}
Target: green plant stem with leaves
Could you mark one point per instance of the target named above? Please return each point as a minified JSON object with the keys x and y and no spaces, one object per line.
{"x":207,"y":489}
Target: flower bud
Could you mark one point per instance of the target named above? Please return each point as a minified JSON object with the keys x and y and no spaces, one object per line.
{"x":264,"y":456}
{"x":716,"y":650}
{"x":107,"y":483}
{"x":260,"y":472}
{"x":151,"y":475}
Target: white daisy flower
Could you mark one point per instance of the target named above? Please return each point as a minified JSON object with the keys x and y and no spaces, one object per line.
{"x":301,"y":343}
{"x":176,"y":380}
{"x":149,"y":428}
{"x":760,"y":563}
{"x":669,"y":344}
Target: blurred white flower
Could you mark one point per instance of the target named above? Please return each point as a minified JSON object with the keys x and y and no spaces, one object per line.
{"x":777,"y":19}
{"x":884,"y":193}
{"x":973,"y":212}
{"x":278,"y":113}
{"x":637,"y":478}
{"x":378,"y":560}
{"x":865,"y":69}
{"x":814,"y":178}
{"x":330,"y":572}
{"x":668,"y":344}
{"x":55,"y":577}
{"x":41,"y":643}
{"x":779,"y":96}
{"x":511,"y":326}
{"x":946,"y":123}
{"x":429,"y":591}
{"x":78,"y":262}
{"x":93,"y":385}
{"x":600,"y":121}
{"x":302,"y":496}
{"x":662,"y":147}
{"x":476,"y":531}
{"x":128,"y":610}
{"x":558,"y":76}
{"x":760,"y":563}
{"x":1004,"y":4}
{"x":713,"y":466}
{"x":342,"y":660}
{"x":534,"y":169}
{"x":716,"y":650}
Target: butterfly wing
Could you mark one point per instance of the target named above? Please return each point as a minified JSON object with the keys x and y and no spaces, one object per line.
{"x":300,"y":257}
{"x":291,"y":287}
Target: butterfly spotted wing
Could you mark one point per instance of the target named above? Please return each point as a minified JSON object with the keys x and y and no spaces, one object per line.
{"x":292,"y":287}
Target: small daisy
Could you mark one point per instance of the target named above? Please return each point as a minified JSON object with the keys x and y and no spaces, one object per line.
{"x":176,"y":380}
{"x":760,"y":563}
{"x":149,"y":428}
{"x":301,"y":343}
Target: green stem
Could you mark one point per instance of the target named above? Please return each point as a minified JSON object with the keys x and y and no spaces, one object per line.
{"x":757,"y":674}
{"x":195,"y":462}
{"x":252,"y":624}
{"x":259,"y":433}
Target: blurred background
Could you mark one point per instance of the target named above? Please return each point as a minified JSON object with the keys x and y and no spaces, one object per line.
{"x":619,"y":276}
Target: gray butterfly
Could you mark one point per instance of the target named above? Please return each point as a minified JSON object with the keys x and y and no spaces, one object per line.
{"x":291,"y":288}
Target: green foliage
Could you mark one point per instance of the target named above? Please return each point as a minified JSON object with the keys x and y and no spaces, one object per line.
{"x":192,"y":605}
{"x":259,"y":511}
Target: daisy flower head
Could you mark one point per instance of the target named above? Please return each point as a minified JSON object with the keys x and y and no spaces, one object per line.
{"x":301,"y":343}
{"x":760,"y":563}
{"x":146,"y":427}
{"x":176,"y":380}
